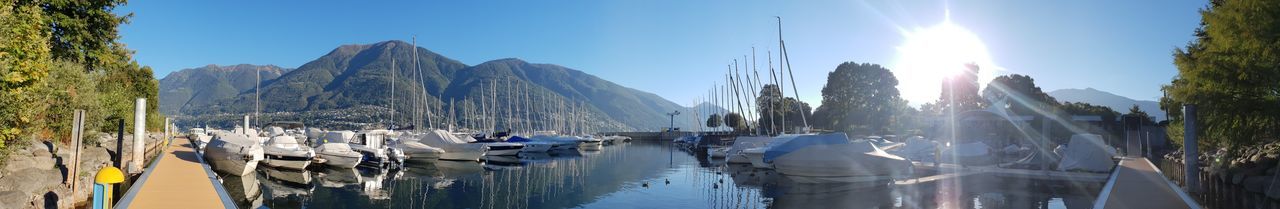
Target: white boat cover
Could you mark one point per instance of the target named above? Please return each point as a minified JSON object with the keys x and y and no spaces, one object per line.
{"x":917,"y":148}
{"x":1087,"y":152}
{"x":445,"y":140}
{"x":284,"y":142}
{"x":971,"y":149}
{"x":857,"y":159}
{"x":787,"y":144}
{"x":274,"y":131}
{"x":337,"y":137}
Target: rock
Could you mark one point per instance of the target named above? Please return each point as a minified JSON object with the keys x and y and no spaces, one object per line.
{"x":18,"y":163}
{"x":14,"y":199}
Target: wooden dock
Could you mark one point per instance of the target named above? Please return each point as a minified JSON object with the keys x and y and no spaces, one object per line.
{"x":177,"y":179}
{"x":1136,"y":183}
{"x":1053,"y":175}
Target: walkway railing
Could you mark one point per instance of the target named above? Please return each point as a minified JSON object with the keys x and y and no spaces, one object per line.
{"x":1217,"y":192}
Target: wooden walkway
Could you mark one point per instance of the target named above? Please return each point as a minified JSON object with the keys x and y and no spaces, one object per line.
{"x":1136,"y":183}
{"x":178,"y":179}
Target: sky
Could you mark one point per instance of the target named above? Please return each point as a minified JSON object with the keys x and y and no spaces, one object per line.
{"x":676,"y":48}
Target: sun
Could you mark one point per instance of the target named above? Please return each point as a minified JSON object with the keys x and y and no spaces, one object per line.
{"x":928,"y":55}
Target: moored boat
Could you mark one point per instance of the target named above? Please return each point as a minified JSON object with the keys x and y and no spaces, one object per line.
{"x":233,"y":153}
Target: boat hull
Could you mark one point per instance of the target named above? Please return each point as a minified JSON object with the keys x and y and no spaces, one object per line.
{"x":493,"y":152}
{"x":287,"y":162}
{"x":462,"y":155}
{"x":533,"y":147}
{"x":340,"y":161}
{"x":234,"y":166}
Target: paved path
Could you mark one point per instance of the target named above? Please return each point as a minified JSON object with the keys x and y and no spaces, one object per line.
{"x":1136,"y":183}
{"x":178,"y":180}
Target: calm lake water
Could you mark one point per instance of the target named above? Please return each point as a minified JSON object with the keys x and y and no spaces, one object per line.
{"x":641,"y":174}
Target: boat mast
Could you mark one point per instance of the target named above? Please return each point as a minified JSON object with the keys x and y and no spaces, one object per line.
{"x":257,"y":72}
{"x":392,"y":104}
{"x":787,"y":60}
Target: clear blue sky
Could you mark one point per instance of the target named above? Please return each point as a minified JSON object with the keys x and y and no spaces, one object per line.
{"x":668,"y":47}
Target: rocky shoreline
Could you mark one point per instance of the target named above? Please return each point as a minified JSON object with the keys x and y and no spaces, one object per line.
{"x":32,"y":176}
{"x":1253,"y":168}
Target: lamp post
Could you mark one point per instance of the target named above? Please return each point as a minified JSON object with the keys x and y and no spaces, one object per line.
{"x":673,"y":120}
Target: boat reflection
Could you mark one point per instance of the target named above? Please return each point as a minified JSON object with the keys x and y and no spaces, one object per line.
{"x":624,"y":175}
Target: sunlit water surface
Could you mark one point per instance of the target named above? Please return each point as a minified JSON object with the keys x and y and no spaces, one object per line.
{"x":641,"y":174}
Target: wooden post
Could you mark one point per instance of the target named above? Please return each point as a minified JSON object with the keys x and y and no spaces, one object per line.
{"x":1189,"y":155}
{"x":118,"y":159}
{"x":77,"y":132}
{"x":139,"y":132}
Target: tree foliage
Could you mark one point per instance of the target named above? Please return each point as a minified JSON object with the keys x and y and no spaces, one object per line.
{"x":736,"y":121}
{"x":1231,"y":72}
{"x":58,"y":56}
{"x":714,"y":121}
{"x":859,"y":98}
{"x":779,"y":113}
{"x":960,"y":91}
{"x":1021,"y":93}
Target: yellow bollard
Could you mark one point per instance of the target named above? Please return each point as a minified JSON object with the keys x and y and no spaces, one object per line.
{"x":102,"y":186}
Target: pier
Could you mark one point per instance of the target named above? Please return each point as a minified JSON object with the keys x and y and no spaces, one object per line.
{"x":179,"y":178}
{"x":1137,"y":183}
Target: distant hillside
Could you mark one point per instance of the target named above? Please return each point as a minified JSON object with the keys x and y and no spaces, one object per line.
{"x":198,"y":87}
{"x":1116,"y":102}
{"x":357,"y":77}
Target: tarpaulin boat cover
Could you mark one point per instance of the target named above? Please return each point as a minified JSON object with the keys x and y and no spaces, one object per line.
{"x":802,"y":141}
{"x":518,"y":139}
{"x":1087,"y":152}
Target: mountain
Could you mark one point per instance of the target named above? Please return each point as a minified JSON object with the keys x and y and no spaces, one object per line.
{"x":357,"y":79}
{"x":1115,"y":102}
{"x":198,"y":87}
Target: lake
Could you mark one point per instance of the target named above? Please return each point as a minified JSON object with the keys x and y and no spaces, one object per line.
{"x":640,"y":174}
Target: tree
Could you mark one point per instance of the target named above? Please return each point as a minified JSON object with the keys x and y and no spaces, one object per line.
{"x":859,"y":98}
{"x":1231,"y":73}
{"x":779,"y":113}
{"x":84,"y":31}
{"x":960,"y":91}
{"x":713,"y":121}
{"x":1142,"y":116}
{"x":736,"y":121}
{"x":1021,"y":93}
{"x":24,"y":63}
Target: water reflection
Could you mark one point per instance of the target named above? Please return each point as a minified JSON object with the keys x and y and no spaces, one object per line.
{"x":629,"y":175}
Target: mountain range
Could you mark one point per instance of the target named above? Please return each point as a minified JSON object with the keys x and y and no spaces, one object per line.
{"x":1115,"y":102}
{"x":359,"y":78}
{"x":199,"y":87}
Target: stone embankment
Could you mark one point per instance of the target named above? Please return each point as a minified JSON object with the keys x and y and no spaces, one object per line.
{"x":1253,"y":168}
{"x":33,"y":176}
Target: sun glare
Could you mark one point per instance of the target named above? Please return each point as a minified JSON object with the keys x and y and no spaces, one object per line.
{"x":928,"y":55}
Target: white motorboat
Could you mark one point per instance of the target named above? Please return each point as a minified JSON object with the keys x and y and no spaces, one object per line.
{"x":755,"y":155}
{"x":589,"y":141}
{"x":233,"y":153}
{"x":454,"y":147}
{"x":199,"y":137}
{"x":831,"y":158}
{"x":532,"y":146}
{"x":373,"y":145}
{"x":335,"y":151}
{"x":500,"y":148}
{"x":740,"y":144}
{"x":283,"y":151}
{"x":417,"y":151}
{"x":557,"y":142}
{"x":718,"y":151}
